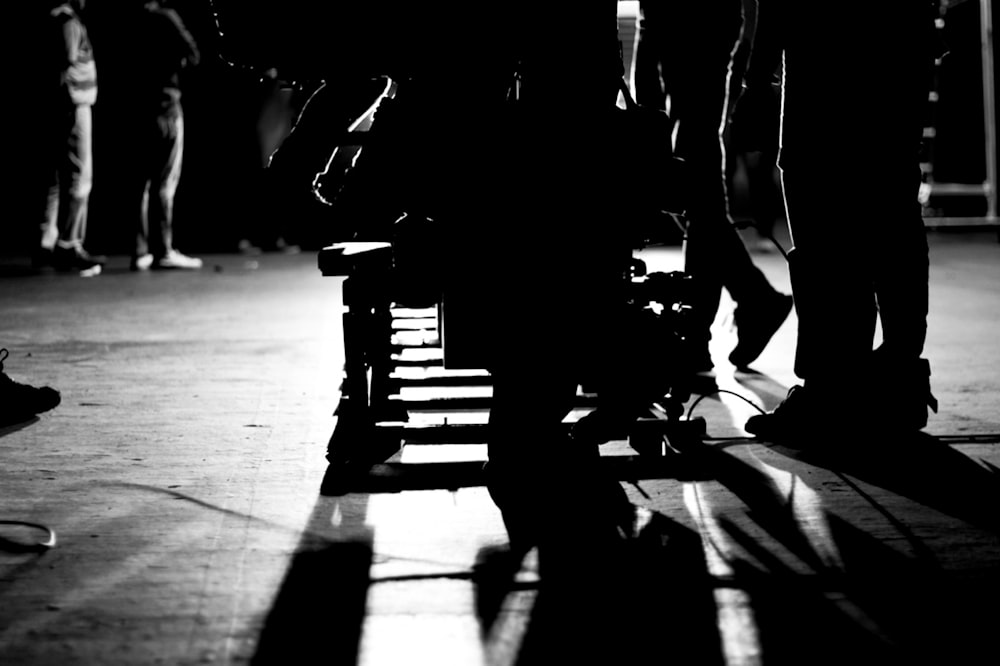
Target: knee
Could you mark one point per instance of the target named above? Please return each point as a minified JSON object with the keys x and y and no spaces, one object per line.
{"x":80,"y":188}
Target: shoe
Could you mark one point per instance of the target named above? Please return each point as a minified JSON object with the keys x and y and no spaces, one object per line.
{"x":20,"y":402}
{"x":908,"y":396}
{"x":141,"y":262}
{"x":69,"y":259}
{"x":248,"y":248}
{"x":600,"y":426}
{"x":756,"y":326}
{"x":174,"y":260}
{"x":800,"y":416}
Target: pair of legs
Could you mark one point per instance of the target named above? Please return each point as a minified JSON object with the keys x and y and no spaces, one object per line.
{"x":71,"y":178}
{"x":867,"y":135}
{"x":163,"y":158}
{"x":692,"y":46}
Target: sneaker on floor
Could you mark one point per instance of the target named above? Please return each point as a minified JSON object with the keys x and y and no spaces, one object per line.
{"x":20,"y":402}
{"x":69,"y":259}
{"x":141,"y":262}
{"x":756,"y":326}
{"x":174,"y":260}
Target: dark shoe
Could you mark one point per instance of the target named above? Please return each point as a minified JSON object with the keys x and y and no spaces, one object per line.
{"x":802,"y":415}
{"x":756,"y":325}
{"x":908,"y":396}
{"x":20,"y":402}
{"x":70,"y":259}
{"x":602,"y":425}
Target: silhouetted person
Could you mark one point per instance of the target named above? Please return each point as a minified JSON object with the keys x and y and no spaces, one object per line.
{"x":162,"y":47}
{"x":684,"y":57}
{"x":71,"y":92}
{"x":855,"y":92}
{"x":552,"y":284}
{"x":536,"y":243}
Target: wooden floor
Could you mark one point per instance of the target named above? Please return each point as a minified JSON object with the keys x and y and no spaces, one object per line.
{"x":183,"y":474}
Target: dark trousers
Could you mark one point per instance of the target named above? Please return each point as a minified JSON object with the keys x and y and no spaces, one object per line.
{"x":850,"y":154}
{"x":684,"y":59}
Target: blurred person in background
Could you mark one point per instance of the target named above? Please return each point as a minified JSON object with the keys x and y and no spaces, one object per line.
{"x":70,"y":92}
{"x":163,"y":48}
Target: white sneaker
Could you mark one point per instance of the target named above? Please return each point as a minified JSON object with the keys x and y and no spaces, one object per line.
{"x":141,"y":262}
{"x":175,"y":260}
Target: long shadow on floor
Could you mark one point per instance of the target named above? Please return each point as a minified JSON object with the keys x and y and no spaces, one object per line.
{"x":819,"y":587}
{"x":650,"y":601}
{"x":919,"y":466}
{"x":319,"y":611}
{"x":851,"y":593}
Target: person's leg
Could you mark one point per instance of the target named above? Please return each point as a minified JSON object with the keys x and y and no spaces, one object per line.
{"x":825,"y":141}
{"x":158,"y":138}
{"x":161,"y":204}
{"x":162,"y":193}
{"x":50,"y":223}
{"x":149,"y":138}
{"x":715,"y":255}
{"x":55,"y":152}
{"x":73,"y":225}
{"x":76,"y":182}
{"x":901,"y":264}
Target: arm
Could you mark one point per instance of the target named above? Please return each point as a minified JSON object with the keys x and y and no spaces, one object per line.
{"x":186,"y":46}
{"x":756,"y":109}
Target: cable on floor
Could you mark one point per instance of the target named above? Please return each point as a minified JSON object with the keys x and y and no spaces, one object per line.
{"x":15,"y":545}
{"x":718,"y":391}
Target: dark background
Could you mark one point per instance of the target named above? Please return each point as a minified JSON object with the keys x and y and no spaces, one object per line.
{"x":219,"y":197}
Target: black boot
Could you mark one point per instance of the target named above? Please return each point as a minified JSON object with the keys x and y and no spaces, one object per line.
{"x":20,"y":402}
{"x":907,"y":395}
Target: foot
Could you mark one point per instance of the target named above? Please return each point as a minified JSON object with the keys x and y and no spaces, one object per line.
{"x":70,"y":259}
{"x":802,"y":415}
{"x":174,"y":260}
{"x":141,"y":262}
{"x":284,"y":247}
{"x":247,"y":247}
{"x":20,"y":402}
{"x":907,"y":397}
{"x":756,"y":325}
